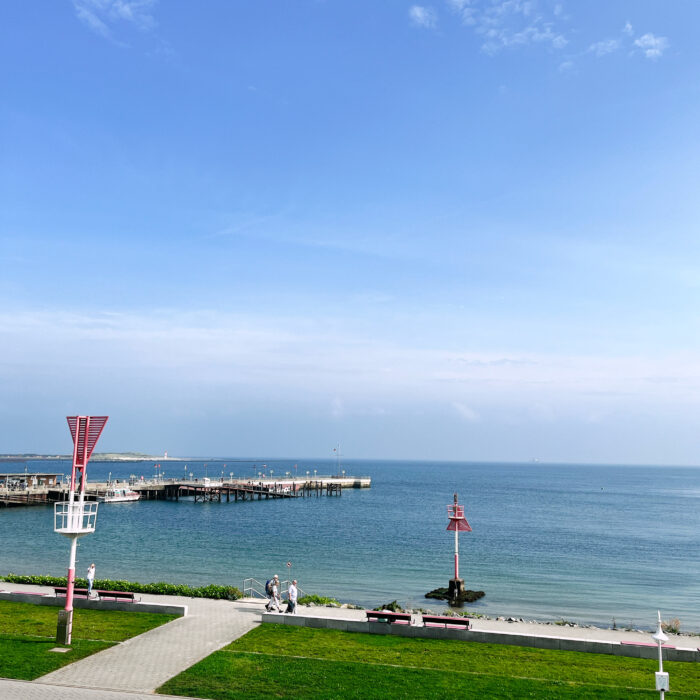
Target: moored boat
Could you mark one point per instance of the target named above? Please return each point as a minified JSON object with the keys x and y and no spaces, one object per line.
{"x":116,"y":494}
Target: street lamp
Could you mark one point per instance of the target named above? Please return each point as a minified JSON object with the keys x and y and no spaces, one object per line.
{"x":661,"y":677}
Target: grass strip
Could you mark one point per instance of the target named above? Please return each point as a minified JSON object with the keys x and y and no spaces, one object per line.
{"x":284,"y":661}
{"x":448,"y":655}
{"x":27,"y":619}
{"x":26,"y":659}
{"x":226,"y":676}
{"x":28,"y":633}
{"x":427,"y":668}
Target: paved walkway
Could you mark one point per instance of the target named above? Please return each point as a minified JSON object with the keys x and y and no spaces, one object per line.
{"x":141,"y":664}
{"x":145,"y":662}
{"x":26,"y":690}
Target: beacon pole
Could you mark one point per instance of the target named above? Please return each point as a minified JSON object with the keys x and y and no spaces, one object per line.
{"x":458,"y":523}
{"x":75,"y":518}
{"x":456,"y":553}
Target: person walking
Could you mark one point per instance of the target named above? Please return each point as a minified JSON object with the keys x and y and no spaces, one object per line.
{"x":292,"y":595}
{"x":90,"y":577}
{"x":275,"y":602}
{"x":272,"y":591}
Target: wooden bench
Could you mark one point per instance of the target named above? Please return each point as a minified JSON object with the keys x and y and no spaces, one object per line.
{"x":455,"y":623}
{"x":646,"y":644}
{"x":77,"y":592}
{"x":117,"y":595}
{"x":104,"y":595}
{"x":391,"y":617}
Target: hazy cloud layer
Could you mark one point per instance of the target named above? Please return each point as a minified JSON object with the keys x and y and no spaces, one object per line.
{"x":292,"y":354}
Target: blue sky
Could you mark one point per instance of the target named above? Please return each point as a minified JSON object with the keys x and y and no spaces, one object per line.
{"x":456,"y":230}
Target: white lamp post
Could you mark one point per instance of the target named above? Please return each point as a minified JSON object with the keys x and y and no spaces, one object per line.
{"x":661,"y":677}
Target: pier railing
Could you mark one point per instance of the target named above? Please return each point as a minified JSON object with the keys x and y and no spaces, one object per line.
{"x":252,"y":588}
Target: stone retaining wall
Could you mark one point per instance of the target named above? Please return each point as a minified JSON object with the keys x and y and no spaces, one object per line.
{"x":124,"y":606}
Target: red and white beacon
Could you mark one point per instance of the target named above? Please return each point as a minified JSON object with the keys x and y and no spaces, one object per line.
{"x":458,"y":523}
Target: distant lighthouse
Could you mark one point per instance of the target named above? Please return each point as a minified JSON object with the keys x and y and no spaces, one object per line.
{"x":165,"y":455}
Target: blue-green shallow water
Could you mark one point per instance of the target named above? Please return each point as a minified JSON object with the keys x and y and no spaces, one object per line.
{"x":585,"y":543}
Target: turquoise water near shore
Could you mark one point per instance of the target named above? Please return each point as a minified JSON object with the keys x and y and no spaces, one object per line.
{"x":579,"y":542}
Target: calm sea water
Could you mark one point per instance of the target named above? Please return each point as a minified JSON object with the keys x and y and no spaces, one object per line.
{"x":584,"y":543}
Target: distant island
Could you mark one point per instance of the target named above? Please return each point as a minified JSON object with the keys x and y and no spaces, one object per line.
{"x":96,"y":457}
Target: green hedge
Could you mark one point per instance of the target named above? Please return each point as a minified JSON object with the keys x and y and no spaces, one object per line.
{"x":159,"y":588}
{"x":318,"y":600}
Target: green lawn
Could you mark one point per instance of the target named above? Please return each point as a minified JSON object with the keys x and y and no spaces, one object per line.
{"x":28,"y":632}
{"x":284,"y":661}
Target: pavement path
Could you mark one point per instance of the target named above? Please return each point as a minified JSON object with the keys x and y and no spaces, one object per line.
{"x":145,"y":662}
{"x":26,"y":690}
{"x":141,"y":664}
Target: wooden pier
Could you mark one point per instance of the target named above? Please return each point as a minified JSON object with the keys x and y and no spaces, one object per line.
{"x":239,"y":491}
{"x":202,"y":491}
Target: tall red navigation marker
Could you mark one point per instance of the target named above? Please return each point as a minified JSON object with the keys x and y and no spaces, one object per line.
{"x":75,"y":517}
{"x":458,"y":523}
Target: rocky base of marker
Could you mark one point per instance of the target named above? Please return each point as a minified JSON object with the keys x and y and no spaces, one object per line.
{"x":456,"y":594}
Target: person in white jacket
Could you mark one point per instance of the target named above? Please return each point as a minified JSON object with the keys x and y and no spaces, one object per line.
{"x":90,"y":578}
{"x":292,"y":595}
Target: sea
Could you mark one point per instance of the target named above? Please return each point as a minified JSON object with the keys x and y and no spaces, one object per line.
{"x":593,"y":544}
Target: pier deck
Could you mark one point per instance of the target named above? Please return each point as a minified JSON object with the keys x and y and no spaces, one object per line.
{"x":202,"y":491}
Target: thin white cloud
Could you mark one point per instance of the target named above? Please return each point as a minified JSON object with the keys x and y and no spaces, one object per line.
{"x":464,"y":8}
{"x":512,"y":24}
{"x":652,"y":46}
{"x":465,"y":412}
{"x":101,"y":16}
{"x":90,"y":19}
{"x":507,"y":24}
{"x":566,"y":66}
{"x":602,"y":48}
{"x":422,"y":16}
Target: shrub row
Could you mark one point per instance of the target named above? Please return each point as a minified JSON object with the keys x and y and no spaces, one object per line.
{"x":159,"y":588}
{"x":319,"y":600}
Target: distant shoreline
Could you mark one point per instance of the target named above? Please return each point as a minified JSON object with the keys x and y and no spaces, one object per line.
{"x":103,"y":457}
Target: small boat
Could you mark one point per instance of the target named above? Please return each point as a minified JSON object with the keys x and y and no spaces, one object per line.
{"x":116,"y":494}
